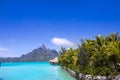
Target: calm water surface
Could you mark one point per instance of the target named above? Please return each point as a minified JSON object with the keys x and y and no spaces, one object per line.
{"x":32,"y":71}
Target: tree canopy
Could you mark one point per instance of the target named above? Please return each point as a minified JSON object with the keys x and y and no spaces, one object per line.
{"x":100,"y":56}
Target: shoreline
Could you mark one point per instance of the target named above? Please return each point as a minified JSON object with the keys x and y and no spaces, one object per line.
{"x":82,"y":76}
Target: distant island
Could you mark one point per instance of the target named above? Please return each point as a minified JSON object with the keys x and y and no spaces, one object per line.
{"x":37,"y":55}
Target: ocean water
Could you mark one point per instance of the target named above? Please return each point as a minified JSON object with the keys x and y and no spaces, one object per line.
{"x":32,"y":71}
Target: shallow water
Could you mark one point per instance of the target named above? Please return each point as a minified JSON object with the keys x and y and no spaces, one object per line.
{"x":32,"y":71}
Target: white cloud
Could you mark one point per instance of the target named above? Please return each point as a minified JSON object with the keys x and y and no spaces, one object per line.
{"x":8,"y":55}
{"x":5,"y":52}
{"x":2,"y":49}
{"x":62,"y":42}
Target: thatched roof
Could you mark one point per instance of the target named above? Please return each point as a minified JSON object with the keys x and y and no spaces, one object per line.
{"x":54,"y":60}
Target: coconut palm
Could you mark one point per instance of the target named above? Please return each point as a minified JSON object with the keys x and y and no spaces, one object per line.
{"x":97,"y":57}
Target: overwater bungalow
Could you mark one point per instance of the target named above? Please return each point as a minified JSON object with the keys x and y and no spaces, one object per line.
{"x":54,"y":60}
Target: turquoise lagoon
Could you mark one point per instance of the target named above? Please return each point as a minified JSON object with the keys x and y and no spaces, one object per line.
{"x":32,"y":71}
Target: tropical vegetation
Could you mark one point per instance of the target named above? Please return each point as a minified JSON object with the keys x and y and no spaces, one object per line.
{"x":99,"y":56}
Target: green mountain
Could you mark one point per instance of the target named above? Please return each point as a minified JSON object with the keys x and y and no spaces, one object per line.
{"x":40,"y":54}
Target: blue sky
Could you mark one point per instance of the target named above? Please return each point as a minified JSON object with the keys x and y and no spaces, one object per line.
{"x":27,"y":24}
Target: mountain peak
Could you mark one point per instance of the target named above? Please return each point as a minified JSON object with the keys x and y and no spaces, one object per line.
{"x":40,"y":54}
{"x":43,"y":46}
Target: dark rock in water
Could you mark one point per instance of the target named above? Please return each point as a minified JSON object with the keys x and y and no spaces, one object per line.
{"x":82,"y":76}
{"x":73,"y":73}
{"x":40,"y":54}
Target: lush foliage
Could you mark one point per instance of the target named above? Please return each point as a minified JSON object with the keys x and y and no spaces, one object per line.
{"x":100,"y":56}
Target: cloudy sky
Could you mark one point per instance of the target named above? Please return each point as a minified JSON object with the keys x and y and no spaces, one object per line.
{"x":27,"y":24}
